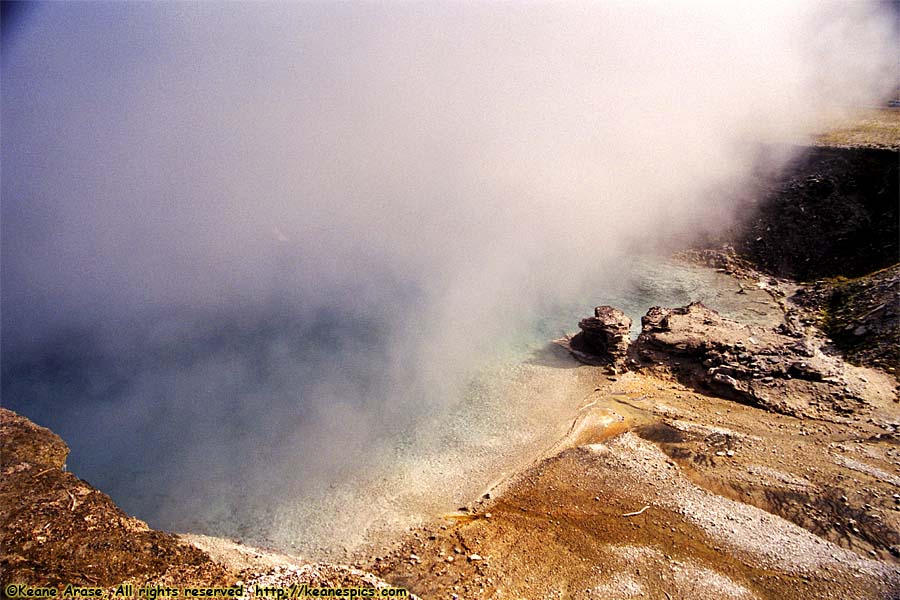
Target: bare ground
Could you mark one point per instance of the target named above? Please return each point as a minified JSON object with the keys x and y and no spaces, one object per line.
{"x":872,"y":128}
{"x":741,"y":503}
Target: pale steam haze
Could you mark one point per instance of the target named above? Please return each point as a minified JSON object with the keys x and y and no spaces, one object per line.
{"x":248,"y":250}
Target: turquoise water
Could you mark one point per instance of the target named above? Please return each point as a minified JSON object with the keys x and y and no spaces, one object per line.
{"x":651,"y":281}
{"x":510,"y":409}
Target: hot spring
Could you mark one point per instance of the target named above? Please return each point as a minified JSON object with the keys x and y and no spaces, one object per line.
{"x":229,"y":431}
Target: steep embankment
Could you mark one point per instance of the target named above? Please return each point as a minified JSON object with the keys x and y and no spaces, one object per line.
{"x":832,"y":212}
{"x":831,"y":220}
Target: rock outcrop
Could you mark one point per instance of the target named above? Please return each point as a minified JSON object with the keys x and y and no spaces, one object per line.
{"x":604,"y":337}
{"x":23,"y":442}
{"x":754,"y":365}
{"x":861,"y":316}
{"x":57,"y":529}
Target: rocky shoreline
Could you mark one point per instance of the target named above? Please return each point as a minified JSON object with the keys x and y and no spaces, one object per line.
{"x":667,"y":487}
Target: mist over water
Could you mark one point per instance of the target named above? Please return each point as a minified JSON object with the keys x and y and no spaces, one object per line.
{"x":253,"y":254}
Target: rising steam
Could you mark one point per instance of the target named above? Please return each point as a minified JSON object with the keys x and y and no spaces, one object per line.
{"x":258,"y":242}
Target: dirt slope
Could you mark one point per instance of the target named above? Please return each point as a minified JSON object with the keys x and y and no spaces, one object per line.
{"x":731,"y":512}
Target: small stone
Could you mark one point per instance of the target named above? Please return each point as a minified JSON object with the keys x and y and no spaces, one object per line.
{"x":729,"y":453}
{"x":487,"y":515}
{"x":450,"y":558}
{"x":474,"y":557}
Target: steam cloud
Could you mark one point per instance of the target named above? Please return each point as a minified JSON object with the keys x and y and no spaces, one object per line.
{"x":253,"y":241}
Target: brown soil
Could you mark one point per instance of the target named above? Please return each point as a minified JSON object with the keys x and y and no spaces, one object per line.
{"x":873,"y":128}
{"x":742,"y":503}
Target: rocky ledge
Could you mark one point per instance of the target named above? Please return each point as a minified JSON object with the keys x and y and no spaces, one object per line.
{"x":779,"y":369}
{"x":775,"y":369}
{"x":57,"y":529}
